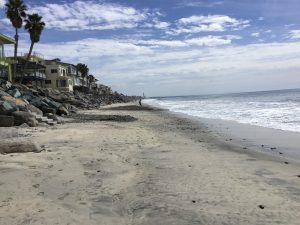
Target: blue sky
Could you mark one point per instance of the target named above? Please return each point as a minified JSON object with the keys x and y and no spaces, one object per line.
{"x":172,"y":47}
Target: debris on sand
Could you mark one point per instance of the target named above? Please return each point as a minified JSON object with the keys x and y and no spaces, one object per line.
{"x":18,"y":146}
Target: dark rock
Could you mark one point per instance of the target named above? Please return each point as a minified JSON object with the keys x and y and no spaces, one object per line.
{"x":35,"y":100}
{"x":6,"y":108}
{"x":14,"y":92}
{"x":5,"y":84}
{"x":286,"y":162}
{"x":6,"y":121}
{"x":48,"y":110}
{"x":34,"y":109}
{"x":24,"y":117}
{"x":261,"y":206}
{"x":51,"y":103}
{"x":3,"y":93}
{"x":24,"y":125}
{"x":62,"y":111}
{"x":21,"y":104}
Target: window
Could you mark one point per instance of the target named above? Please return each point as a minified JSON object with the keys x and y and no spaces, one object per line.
{"x":53,"y":70}
{"x":61,"y":83}
{"x":47,"y":81}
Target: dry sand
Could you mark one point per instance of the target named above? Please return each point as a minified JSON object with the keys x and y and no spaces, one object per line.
{"x":156,"y":170}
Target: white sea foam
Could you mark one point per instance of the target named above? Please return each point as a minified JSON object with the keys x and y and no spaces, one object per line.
{"x":276,"y":109}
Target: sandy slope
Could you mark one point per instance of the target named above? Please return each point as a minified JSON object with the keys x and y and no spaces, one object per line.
{"x":157,"y":170}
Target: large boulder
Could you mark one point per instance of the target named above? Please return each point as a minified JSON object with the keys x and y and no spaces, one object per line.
{"x":6,"y":108}
{"x":34,"y":109}
{"x":5,"y":84}
{"x":17,"y":146}
{"x":62,"y":111}
{"x":24,"y":117}
{"x":34,"y":100}
{"x":51,"y":103}
{"x":6,"y":121}
{"x":46,"y":109}
{"x":17,"y":101}
{"x":3,"y":93}
{"x":14,"y":92}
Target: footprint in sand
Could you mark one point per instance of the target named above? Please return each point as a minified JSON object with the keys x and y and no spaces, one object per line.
{"x":63,"y":196}
{"x":36,"y":185}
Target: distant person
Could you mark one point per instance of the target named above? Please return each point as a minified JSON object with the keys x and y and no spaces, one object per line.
{"x":140,"y":101}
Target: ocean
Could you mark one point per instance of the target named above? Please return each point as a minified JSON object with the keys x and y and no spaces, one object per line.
{"x":272,"y":109}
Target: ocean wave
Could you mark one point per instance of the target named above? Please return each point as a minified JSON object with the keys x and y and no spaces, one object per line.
{"x":265,"y":110}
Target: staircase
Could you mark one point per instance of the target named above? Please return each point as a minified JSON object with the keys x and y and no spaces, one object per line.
{"x":44,"y":119}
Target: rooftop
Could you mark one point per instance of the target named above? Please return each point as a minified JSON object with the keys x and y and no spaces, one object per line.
{"x":6,"y":40}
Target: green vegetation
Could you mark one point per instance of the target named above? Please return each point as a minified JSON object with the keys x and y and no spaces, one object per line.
{"x":35,"y":26}
{"x":16,"y":13}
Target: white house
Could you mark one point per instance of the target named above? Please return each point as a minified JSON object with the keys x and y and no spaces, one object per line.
{"x":57,"y":76}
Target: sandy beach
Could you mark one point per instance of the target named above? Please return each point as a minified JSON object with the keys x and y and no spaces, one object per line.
{"x":127,"y":164}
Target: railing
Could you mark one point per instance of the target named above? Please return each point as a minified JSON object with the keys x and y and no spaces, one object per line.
{"x":6,"y":60}
{"x":22,"y":54}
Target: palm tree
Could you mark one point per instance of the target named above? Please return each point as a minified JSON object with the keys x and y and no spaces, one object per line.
{"x":34,"y":25}
{"x":16,"y":13}
{"x":91,"y":78}
{"x":83,"y":68}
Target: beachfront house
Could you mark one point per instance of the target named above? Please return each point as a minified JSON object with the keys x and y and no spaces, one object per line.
{"x":31,"y":72}
{"x":57,"y":76}
{"x":84,"y":82}
{"x":5,"y":63}
{"x":93,"y":83}
{"x":74,"y":75}
{"x":104,"y":90}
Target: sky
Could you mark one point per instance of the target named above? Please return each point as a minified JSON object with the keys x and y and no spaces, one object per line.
{"x":172,"y":47}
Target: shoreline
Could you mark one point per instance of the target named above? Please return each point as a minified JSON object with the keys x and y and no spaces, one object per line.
{"x":157,"y":169}
{"x":272,"y":142}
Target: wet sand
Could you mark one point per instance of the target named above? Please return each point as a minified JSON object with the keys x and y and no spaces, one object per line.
{"x":280,"y":143}
{"x":158,"y":169}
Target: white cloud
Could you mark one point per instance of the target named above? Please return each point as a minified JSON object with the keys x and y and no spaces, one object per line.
{"x":255,"y":34}
{"x":198,"y":4}
{"x":206,"y":41}
{"x":294,"y":34}
{"x":2,"y":3}
{"x":261,"y":18}
{"x":124,"y":63}
{"x":210,"y":23}
{"x":212,"y":40}
{"x":92,"y":47}
{"x":198,"y":66}
{"x":91,"y":15}
{"x":161,"y":25}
